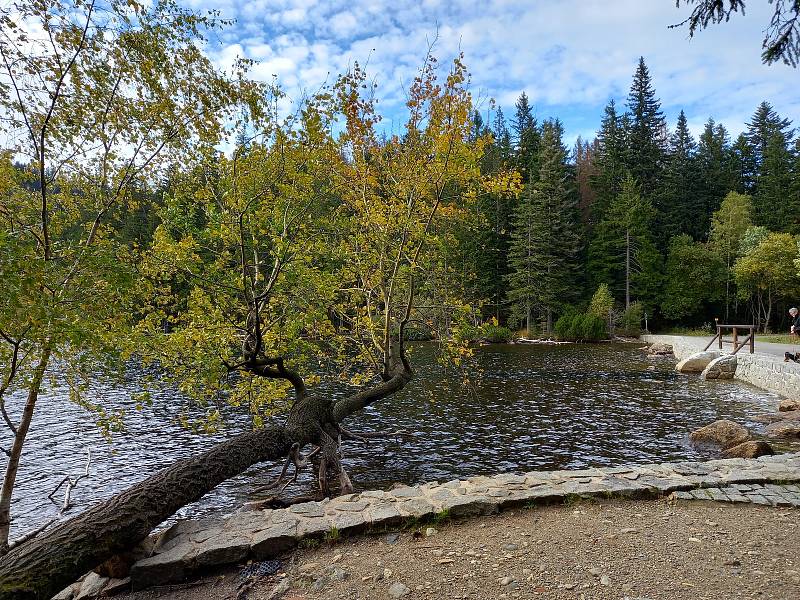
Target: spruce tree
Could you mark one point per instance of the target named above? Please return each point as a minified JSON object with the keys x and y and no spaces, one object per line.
{"x":715,"y":175}
{"x":773,"y":205}
{"x":743,"y":165}
{"x":622,"y":253}
{"x":764,"y":123}
{"x":491,"y":250}
{"x":545,"y":241}
{"x":677,"y":198}
{"x":609,"y":162}
{"x":648,"y":132}
{"x":526,"y":139}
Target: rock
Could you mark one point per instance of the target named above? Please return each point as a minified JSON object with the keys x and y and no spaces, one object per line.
{"x":398,"y":590}
{"x":660,"y":349}
{"x":222,"y":549}
{"x":117,"y":586}
{"x":68,"y":593}
{"x":750,"y":449}
{"x":788,"y":404}
{"x":769,"y":418}
{"x":697,"y":362}
{"x":430,"y":531}
{"x":391,"y":538}
{"x":723,"y":367}
{"x":784,"y":429}
{"x":510,"y":547}
{"x":161,"y":568}
{"x":387,"y":573}
{"x":279,"y":590}
{"x":724,"y":433}
{"x":605,"y":580}
{"x":91,"y":586}
{"x":338,"y":574}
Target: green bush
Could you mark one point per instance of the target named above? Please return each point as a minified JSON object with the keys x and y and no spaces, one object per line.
{"x":580,"y":327}
{"x":495,"y":334}
{"x":563,"y":327}
{"x":631,"y":321}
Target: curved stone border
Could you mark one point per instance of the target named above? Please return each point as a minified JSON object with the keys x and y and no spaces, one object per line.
{"x":190,"y":546}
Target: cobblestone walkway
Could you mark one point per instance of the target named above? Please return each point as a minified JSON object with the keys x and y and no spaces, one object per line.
{"x":190,"y":546}
{"x":769,"y":494}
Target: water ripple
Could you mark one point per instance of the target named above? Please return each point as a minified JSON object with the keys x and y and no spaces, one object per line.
{"x":532,"y":408}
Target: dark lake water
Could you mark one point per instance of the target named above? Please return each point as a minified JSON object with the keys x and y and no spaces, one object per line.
{"x":532,"y":407}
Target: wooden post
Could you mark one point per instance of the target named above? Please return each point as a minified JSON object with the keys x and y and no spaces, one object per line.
{"x":719,"y":333}
{"x":752,"y":340}
{"x":735,"y":339}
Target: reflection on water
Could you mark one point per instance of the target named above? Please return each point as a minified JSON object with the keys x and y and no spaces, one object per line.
{"x":533,"y":407}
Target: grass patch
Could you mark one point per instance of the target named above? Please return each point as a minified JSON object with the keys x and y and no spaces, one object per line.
{"x":309,"y":543}
{"x":443,"y":516}
{"x":778,"y":339}
{"x":688,"y":331}
{"x":332,"y":536}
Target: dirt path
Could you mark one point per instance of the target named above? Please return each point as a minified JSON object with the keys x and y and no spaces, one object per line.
{"x":619,"y":549}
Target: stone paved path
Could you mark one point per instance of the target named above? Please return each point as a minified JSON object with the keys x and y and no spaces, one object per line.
{"x":191,"y":546}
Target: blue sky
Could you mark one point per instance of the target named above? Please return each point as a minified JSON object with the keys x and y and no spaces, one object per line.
{"x":569,"y":56}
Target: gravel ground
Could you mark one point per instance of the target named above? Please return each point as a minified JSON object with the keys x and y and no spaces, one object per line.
{"x":616,"y":549}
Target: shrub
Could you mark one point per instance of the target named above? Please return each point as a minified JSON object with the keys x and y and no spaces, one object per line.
{"x":631,"y":321}
{"x":495,"y":334}
{"x":602,"y":303}
{"x":593,"y":328}
{"x":578,"y":327}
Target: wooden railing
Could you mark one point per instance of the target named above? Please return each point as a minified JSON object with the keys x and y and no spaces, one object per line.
{"x":750,"y":339}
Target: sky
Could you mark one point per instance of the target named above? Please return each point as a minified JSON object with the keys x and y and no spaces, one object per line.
{"x":570,"y":56}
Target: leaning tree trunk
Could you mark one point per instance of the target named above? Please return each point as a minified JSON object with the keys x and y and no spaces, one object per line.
{"x":40,"y":568}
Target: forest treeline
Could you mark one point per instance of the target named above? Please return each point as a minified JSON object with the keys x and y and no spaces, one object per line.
{"x":676,"y":229}
{"x":684,"y":230}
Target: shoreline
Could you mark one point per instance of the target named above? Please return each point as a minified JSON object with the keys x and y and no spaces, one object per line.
{"x":764,"y":369}
{"x":190,"y":549}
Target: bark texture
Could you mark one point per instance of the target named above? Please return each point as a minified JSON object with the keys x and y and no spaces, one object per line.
{"x":42,"y":567}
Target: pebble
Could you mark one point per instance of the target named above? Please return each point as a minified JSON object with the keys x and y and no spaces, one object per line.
{"x":430,"y":531}
{"x":391,"y":538}
{"x":398,"y":590}
{"x":336,"y":558}
{"x":595,"y":571}
{"x":605,"y":580}
{"x":387,"y":573}
{"x":510,"y":547}
{"x":308,"y":567}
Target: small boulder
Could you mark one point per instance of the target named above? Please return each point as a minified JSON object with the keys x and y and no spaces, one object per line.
{"x":789,"y":404}
{"x":398,"y":590}
{"x":751,"y":449}
{"x":724,"y":433}
{"x":723,"y":367}
{"x":697,"y":362}
{"x":784,"y":429}
{"x":660,"y":349}
{"x":91,"y":587}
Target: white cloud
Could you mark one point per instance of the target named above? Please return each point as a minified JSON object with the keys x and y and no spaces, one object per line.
{"x":571,"y":56}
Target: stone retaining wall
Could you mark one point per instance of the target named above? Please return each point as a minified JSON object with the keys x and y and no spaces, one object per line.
{"x":191,"y":546}
{"x":765,"y":371}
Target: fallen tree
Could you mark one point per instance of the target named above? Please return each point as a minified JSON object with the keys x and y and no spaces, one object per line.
{"x":42,"y":567}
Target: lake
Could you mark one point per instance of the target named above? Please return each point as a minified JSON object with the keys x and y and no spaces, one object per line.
{"x":531,"y":407}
